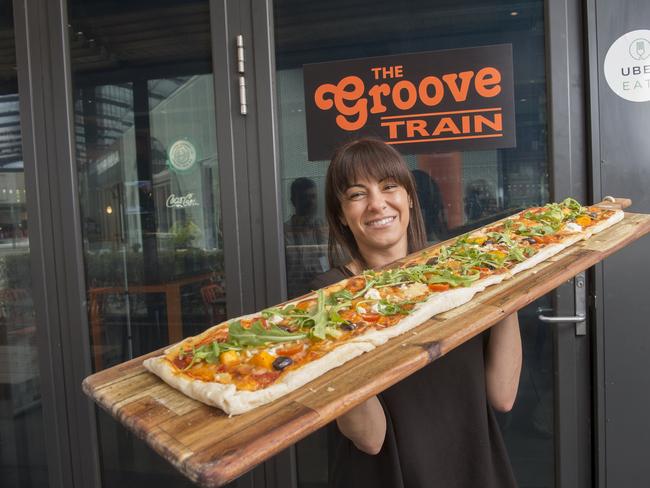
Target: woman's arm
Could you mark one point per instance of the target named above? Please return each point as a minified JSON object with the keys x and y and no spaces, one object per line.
{"x":365,"y":426}
{"x":503,"y":363}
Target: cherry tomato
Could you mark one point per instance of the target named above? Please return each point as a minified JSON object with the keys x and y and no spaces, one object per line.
{"x":306,"y":304}
{"x":355,"y":284}
{"x":290,"y":350}
{"x":266,"y":379}
{"x":370,"y":317}
{"x":439,"y":286}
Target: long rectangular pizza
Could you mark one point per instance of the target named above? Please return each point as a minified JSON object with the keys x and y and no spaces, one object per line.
{"x":252,"y":360}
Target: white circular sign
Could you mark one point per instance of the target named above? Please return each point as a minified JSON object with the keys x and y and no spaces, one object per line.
{"x":182,"y":155}
{"x":627,"y":66}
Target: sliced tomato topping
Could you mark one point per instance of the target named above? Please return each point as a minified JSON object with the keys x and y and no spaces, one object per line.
{"x":388,"y":320}
{"x":370,"y":317}
{"x":355,"y":284}
{"x":290,"y":350}
{"x":266,"y":379}
{"x":306,"y":305}
{"x":182,"y":363}
{"x":546,"y":239}
{"x":349,"y":315}
{"x":438,"y":286}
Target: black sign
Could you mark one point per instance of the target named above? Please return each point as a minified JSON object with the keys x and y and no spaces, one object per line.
{"x":451,"y":100}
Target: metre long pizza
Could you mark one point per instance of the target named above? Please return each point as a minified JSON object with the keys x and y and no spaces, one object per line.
{"x":252,"y":360}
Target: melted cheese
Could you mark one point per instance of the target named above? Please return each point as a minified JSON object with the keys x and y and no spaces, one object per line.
{"x":415,"y":290}
{"x":372,"y":294}
{"x":572,"y":227}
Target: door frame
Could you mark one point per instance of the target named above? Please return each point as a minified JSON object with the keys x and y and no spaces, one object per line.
{"x":567,"y":138}
{"x":249,"y":172}
{"x":568,"y":163}
{"x":56,"y":240}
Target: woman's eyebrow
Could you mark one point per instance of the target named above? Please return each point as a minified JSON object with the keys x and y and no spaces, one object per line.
{"x":355,"y":184}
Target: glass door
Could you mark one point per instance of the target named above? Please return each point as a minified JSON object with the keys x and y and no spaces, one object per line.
{"x":150,"y":192}
{"x":23,"y":456}
{"x":458,"y":190}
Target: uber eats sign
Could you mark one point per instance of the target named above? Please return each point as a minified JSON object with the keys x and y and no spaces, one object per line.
{"x":457,"y":99}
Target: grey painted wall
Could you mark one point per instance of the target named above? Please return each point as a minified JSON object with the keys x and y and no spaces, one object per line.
{"x":624,"y":148}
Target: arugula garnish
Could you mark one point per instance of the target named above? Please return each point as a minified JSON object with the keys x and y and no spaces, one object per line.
{"x":453,"y":279}
{"x":319,"y":319}
{"x":208,"y":352}
{"x":389,"y":308}
{"x":258,"y":335}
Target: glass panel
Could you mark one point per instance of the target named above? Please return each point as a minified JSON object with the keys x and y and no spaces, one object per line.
{"x":458,"y":190}
{"x":23,"y":460}
{"x":149,"y":193}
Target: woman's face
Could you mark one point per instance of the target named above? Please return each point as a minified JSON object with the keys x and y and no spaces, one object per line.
{"x":377,"y":213}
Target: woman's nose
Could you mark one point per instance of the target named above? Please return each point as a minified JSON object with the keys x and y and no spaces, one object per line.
{"x":376,"y":201}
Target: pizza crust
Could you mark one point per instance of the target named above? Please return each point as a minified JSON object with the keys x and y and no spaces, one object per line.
{"x":234,"y":402}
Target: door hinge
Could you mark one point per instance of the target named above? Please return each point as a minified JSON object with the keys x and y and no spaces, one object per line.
{"x":243,"y":106}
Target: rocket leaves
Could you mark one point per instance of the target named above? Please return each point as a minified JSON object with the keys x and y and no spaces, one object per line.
{"x":258,"y":335}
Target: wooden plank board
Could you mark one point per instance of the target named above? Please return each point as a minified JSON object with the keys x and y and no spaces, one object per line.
{"x":211,"y":448}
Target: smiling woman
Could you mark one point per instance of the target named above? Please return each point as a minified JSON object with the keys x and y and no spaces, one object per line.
{"x":424,"y":426}
{"x":372,"y":194}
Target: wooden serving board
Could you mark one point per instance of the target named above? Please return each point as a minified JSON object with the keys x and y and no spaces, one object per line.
{"x":211,"y":449}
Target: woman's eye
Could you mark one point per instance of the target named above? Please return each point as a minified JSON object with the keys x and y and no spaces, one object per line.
{"x":390,"y":186}
{"x":356,"y":195}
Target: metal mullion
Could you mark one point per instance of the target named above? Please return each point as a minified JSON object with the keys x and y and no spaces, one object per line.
{"x":267,"y":154}
{"x":58,"y":264}
{"x":568,"y":172}
{"x":597,"y":290}
{"x":28,"y":60}
{"x":77,"y":362}
{"x":264,"y":159}
{"x":230,"y":212}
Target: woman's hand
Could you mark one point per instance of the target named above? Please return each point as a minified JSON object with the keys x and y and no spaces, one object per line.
{"x":365,"y":426}
{"x":503,"y":364}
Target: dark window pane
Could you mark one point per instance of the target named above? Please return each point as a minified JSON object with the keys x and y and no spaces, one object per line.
{"x":23,"y":460}
{"x":458,"y":191}
{"x":149,"y":193}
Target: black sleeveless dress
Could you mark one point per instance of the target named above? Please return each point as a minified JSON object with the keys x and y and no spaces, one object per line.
{"x":441,"y":431}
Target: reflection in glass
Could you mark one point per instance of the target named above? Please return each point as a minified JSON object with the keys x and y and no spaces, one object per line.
{"x":22,"y":444}
{"x":305,"y":235}
{"x":149,"y":192}
{"x":458,"y":191}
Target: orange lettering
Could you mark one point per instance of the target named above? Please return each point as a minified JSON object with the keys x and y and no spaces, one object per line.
{"x":348,"y":89}
{"x":392,"y":128}
{"x":413,"y":126}
{"x":496,"y":124}
{"x":376,"y":92}
{"x":446,"y":124}
{"x":487,"y":77}
{"x":438,"y":90}
{"x":459,"y":93}
{"x":319,"y":97}
{"x":465,"y":122}
{"x":411,"y":92}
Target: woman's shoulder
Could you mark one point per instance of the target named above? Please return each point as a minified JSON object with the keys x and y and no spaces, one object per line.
{"x":335,"y":274}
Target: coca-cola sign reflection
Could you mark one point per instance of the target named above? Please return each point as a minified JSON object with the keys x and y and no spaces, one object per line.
{"x":182,"y":201}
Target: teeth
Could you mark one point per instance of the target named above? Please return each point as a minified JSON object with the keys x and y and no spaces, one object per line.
{"x":381,"y":222}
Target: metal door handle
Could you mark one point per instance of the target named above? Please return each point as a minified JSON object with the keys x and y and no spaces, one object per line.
{"x":581,"y":308}
{"x":554,"y":320}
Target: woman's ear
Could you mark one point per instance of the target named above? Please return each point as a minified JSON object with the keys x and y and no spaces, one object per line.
{"x":343,"y":221}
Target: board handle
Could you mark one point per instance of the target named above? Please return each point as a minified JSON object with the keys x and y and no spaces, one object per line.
{"x":614,"y":203}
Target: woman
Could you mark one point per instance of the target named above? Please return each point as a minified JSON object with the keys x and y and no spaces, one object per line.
{"x":436,"y":427}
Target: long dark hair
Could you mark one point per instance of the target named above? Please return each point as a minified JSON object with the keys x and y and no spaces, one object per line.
{"x":366,"y":158}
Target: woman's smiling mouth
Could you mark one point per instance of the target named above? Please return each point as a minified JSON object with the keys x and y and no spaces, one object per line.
{"x":383,"y":222}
